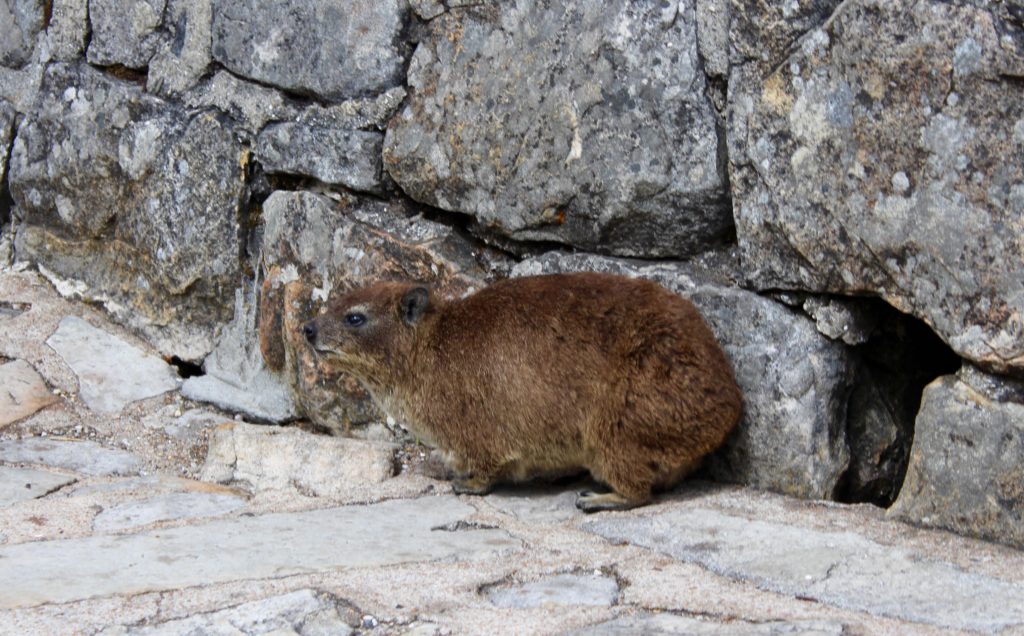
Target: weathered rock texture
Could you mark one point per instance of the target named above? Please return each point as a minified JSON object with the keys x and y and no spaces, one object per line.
{"x":135,"y":198}
{"x":333,"y":50}
{"x":124,"y":33}
{"x":885,"y":155}
{"x":966,"y":469}
{"x":582,"y":123}
{"x":314,"y":246}
{"x":267,"y":457}
{"x":20,"y":22}
{"x":795,"y":382}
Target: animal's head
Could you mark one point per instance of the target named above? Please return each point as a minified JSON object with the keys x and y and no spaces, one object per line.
{"x":370,"y":331}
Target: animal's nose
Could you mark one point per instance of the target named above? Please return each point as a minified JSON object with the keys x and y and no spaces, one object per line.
{"x":309,"y":330}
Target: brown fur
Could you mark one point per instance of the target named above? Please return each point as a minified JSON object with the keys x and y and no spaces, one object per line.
{"x":543,"y":375}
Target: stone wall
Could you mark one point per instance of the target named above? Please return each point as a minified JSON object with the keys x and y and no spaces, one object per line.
{"x":838,"y":185}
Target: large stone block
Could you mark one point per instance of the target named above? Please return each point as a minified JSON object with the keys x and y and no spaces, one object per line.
{"x":966,"y":469}
{"x":337,"y":156}
{"x":885,"y":155}
{"x":795,"y":381}
{"x":135,"y":199}
{"x":183,"y":56}
{"x":20,"y":23}
{"x":314,"y":246}
{"x":333,"y":50}
{"x":125,"y":33}
{"x":582,"y":123}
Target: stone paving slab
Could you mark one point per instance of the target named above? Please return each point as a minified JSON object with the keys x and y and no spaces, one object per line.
{"x":842,"y":569}
{"x":671,"y":625}
{"x":21,"y":484}
{"x":111,"y":373}
{"x":22,"y":392}
{"x":88,"y":458}
{"x":305,"y":612}
{"x":564,"y":589}
{"x":271,"y":545}
{"x":166,"y":507}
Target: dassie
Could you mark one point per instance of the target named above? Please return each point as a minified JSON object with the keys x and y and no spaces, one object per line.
{"x":542,"y":376}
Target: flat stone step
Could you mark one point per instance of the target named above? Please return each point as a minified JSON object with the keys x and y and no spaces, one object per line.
{"x":842,"y":569}
{"x":272,"y":545}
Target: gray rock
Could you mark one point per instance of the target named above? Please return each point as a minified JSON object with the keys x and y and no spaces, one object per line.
{"x":671,"y":624}
{"x":795,"y":382}
{"x":966,"y":469}
{"x":840,"y":319}
{"x":68,"y":30}
{"x":582,"y":123}
{"x":111,"y":373}
{"x":87,"y":458}
{"x":272,"y":458}
{"x":183,"y":56}
{"x":125,"y":33}
{"x":166,"y":507}
{"x":20,"y":23}
{"x":251,"y":104}
{"x":134,"y":199}
{"x":19,"y":87}
{"x":266,"y":546}
{"x":559,"y":590}
{"x":313,"y":246}
{"x":427,"y":9}
{"x":842,"y":569}
{"x":22,"y":392}
{"x":236,"y":378}
{"x":858,"y":166}
{"x":371,"y":113}
{"x":337,"y":156}
{"x":334,"y":50}
{"x":22,"y":484}
{"x":307,"y":612}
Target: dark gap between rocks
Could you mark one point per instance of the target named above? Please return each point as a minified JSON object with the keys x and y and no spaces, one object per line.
{"x":900,"y":358}
{"x":185,"y":368}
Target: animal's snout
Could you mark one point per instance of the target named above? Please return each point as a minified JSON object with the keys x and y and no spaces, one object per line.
{"x":309,"y":331}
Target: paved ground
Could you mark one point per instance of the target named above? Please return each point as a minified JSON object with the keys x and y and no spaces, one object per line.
{"x":126,"y":509}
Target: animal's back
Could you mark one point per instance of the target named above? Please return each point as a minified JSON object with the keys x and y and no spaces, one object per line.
{"x":611,"y":374}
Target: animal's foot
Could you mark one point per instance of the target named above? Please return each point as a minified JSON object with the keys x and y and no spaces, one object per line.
{"x":590,"y":501}
{"x":472,"y":486}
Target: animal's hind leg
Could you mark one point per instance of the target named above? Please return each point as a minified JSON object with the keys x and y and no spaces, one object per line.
{"x":630,"y":487}
{"x":589,"y":501}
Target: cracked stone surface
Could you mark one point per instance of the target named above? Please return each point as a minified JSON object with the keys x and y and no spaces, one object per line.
{"x":275,"y":544}
{"x":19,"y":484}
{"x":839,"y":568}
{"x":306,"y":612}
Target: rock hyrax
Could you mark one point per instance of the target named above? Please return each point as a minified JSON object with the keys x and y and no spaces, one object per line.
{"x":541,"y":376}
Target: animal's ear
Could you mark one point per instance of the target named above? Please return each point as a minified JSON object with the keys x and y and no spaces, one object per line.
{"x":414,"y":303}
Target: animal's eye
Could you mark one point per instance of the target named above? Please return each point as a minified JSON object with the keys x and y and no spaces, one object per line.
{"x":355,"y":319}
